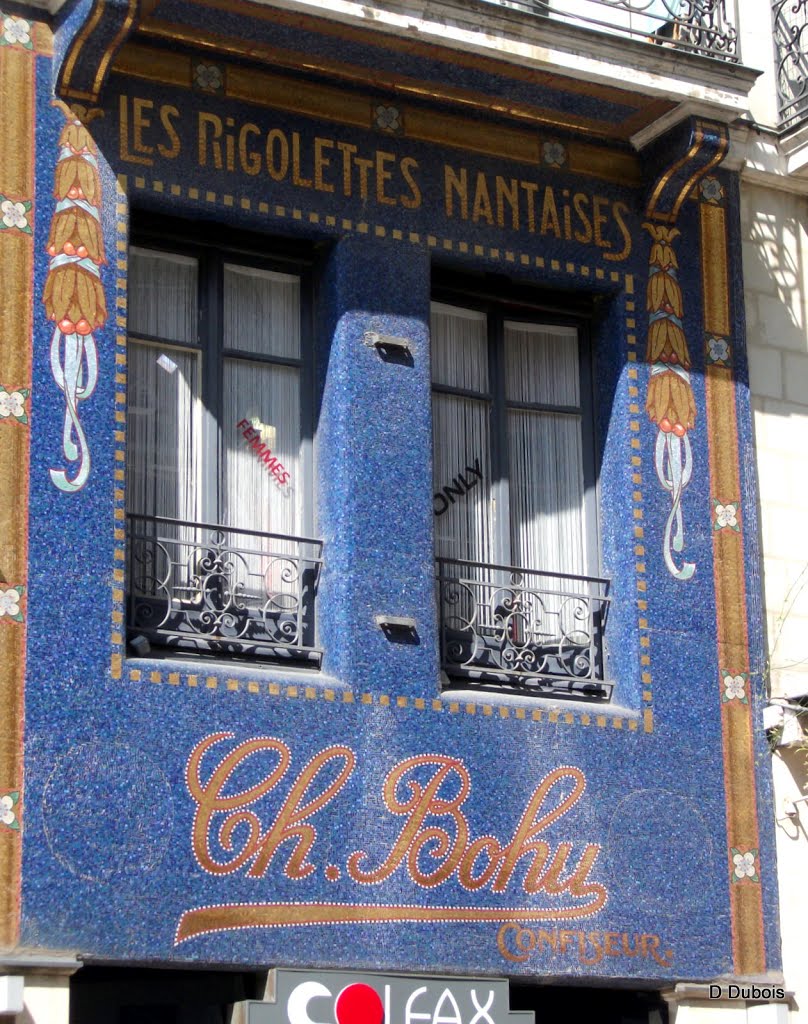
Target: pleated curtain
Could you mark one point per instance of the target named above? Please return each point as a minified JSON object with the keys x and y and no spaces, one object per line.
{"x":540,"y":462}
{"x":163,"y":416}
{"x":262,"y":317}
{"x":461,"y":427}
{"x":545,"y":460}
{"x":166,"y":463}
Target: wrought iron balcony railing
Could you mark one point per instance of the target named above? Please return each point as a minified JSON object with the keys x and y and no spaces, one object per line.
{"x":222,"y":590}
{"x":705,"y":27}
{"x":521,"y":629}
{"x":789,"y":19}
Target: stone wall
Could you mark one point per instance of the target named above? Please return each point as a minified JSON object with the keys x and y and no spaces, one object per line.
{"x":776,"y":285}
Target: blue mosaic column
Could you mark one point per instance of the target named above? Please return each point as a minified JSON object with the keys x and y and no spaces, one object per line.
{"x":374,"y":469}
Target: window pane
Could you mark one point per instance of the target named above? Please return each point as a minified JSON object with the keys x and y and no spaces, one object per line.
{"x":462,"y":499}
{"x":262,"y":489}
{"x":459,"y":348}
{"x":261,"y":312}
{"x":541,"y":364}
{"x":546,"y":494}
{"x":162,"y":295}
{"x":162,"y":432}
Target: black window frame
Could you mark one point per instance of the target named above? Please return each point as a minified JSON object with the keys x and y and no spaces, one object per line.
{"x":501,"y":300}
{"x":256,"y":251}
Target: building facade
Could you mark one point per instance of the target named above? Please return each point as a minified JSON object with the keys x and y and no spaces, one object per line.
{"x":773,"y":212}
{"x":379,"y":532}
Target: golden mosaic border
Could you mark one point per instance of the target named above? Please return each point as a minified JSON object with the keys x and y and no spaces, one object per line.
{"x":118,"y":609}
{"x":685,"y":190}
{"x":119,"y":667}
{"x":17,"y":184}
{"x":334,"y":105}
{"x":638,"y":511}
{"x":746,"y":897}
{"x":74,"y":55}
{"x":645,"y":111}
{"x":216,"y":45}
{"x":332,"y":695}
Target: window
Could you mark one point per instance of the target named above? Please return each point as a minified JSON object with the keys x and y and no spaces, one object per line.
{"x":218,"y":453}
{"x":515,"y":500}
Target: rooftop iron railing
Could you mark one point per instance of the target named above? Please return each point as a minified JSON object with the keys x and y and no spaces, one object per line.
{"x":522,"y":629}
{"x":790,"y":19}
{"x":705,"y":27}
{"x":221,"y":590}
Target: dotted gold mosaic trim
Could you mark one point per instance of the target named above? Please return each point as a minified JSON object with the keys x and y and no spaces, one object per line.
{"x":119,"y":473}
{"x":309,"y":692}
{"x":362,"y":227}
{"x":302,"y":691}
{"x":638,"y":510}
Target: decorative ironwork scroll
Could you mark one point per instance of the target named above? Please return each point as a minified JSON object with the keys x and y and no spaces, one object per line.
{"x":789,"y":23}
{"x":695,"y":26}
{"x":538,"y":631}
{"x":74,"y":295}
{"x":221,"y":589}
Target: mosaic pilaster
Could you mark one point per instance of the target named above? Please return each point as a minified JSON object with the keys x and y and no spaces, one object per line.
{"x":743,"y":868}
{"x":17,"y":92}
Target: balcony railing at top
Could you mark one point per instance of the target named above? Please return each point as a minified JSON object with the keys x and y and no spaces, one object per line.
{"x":704,"y":27}
{"x":221,"y":590}
{"x":790,"y":22}
{"x":521,"y":629}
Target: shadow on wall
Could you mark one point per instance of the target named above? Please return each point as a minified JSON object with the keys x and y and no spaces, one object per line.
{"x":774,"y":271}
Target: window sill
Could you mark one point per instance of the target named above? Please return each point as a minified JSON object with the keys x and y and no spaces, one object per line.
{"x":213,"y":673}
{"x":456,"y":692}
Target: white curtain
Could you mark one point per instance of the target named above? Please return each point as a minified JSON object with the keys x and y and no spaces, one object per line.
{"x":261,"y":311}
{"x":545,"y":459}
{"x":541,"y":364}
{"x":162,"y":432}
{"x":546,"y":492}
{"x":463,"y":523}
{"x":262,"y":316}
{"x":162,"y":295}
{"x":254,"y":497}
{"x":459,"y":347}
{"x":545,"y":456}
{"x":163,"y":388}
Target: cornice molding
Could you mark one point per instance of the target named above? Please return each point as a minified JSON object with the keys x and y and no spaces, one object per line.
{"x":769,"y":160}
{"x":547,"y":44}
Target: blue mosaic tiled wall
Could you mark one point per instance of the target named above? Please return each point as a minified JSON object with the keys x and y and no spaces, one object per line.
{"x":356,"y":816}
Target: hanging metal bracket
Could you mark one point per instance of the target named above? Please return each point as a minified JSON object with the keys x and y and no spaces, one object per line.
{"x":387,"y":344}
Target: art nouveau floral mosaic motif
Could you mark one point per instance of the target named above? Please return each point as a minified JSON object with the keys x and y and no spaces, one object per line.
{"x":726,"y":516}
{"x":8,"y":810}
{"x":735,"y":686}
{"x":15,"y":214}
{"x":208,"y":78}
{"x":10,"y":602}
{"x":12,"y":404}
{"x":711,"y":190}
{"x":554,"y":154}
{"x":717,"y":351}
{"x":387,"y":119}
{"x":744,"y":865}
{"x":669,"y":403}
{"x":73,"y":295}
{"x":15,"y":32}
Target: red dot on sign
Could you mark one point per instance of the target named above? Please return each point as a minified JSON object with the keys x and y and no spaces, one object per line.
{"x":359,"y":1004}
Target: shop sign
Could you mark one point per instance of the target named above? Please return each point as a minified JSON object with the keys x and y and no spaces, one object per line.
{"x":346,"y":997}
